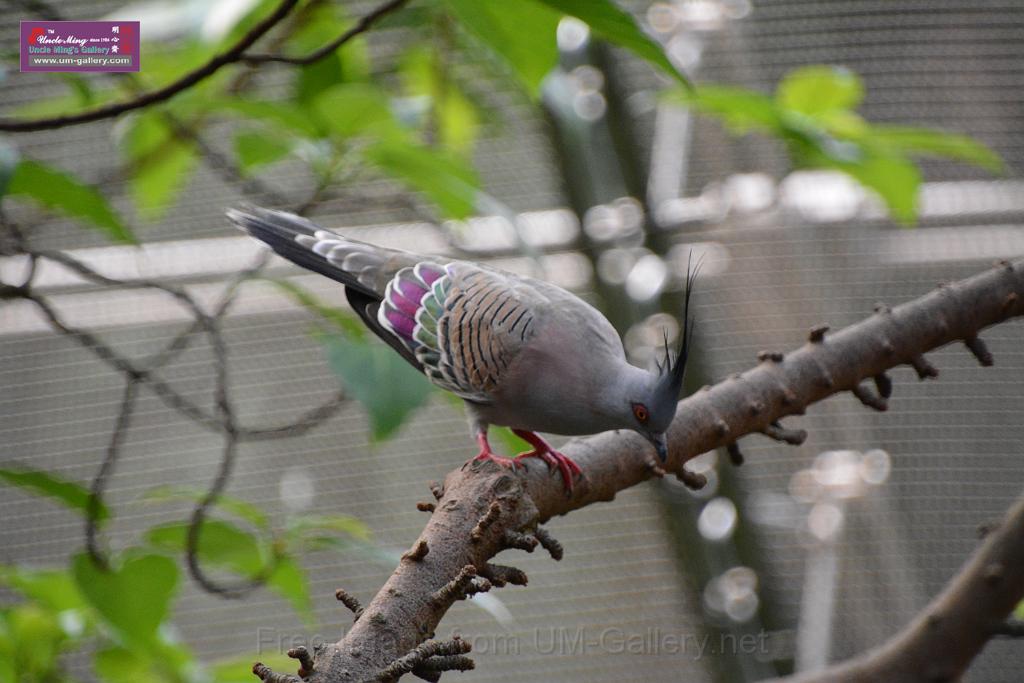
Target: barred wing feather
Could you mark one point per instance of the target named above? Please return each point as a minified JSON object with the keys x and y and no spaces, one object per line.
{"x":463,"y":324}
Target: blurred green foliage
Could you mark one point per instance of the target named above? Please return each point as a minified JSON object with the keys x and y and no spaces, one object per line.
{"x":43,"y":483}
{"x":121,"y":613}
{"x":63,"y":193}
{"x":813,"y":111}
{"x":388,"y":390}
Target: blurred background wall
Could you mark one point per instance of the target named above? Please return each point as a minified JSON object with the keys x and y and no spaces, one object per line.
{"x":828,"y":554}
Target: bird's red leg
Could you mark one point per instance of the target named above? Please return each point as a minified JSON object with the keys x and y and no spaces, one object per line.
{"x":487,"y":454}
{"x":543,"y":450}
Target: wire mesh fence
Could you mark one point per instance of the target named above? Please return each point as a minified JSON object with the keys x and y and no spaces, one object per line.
{"x":776,"y":266}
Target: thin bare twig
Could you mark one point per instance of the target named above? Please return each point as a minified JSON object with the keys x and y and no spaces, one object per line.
{"x":99,"y":482}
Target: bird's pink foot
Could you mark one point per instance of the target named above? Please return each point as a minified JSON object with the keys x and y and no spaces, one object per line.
{"x":487,"y":454}
{"x":543,"y":450}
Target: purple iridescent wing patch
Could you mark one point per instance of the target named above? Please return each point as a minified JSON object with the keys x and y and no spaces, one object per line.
{"x":404,"y":299}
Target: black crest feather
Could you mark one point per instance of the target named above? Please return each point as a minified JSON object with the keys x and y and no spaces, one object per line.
{"x":672,"y":370}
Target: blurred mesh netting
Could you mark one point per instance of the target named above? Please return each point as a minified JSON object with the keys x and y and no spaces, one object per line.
{"x":842,"y":565}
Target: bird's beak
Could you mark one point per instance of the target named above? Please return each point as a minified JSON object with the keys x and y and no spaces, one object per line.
{"x":660,"y":446}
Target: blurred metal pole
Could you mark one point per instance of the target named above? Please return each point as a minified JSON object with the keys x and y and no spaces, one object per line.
{"x":574,"y":98}
{"x":594,"y":136}
{"x":670,"y":154}
{"x":817,"y":604}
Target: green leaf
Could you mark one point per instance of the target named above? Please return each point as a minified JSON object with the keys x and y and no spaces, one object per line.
{"x":524,"y":38}
{"x":341,"y":533}
{"x":511,"y":443}
{"x":893,"y":177}
{"x":165,"y":662}
{"x":352,"y":109}
{"x":451,"y":185}
{"x":161,"y":162}
{"x":843,"y":123}
{"x":259,"y":149}
{"x":224,"y":545}
{"x":454,"y":114}
{"x":279,"y":115}
{"x":740,"y":109}
{"x":388,"y":387}
{"x":615,"y":25}
{"x":321,"y":25}
{"x":54,"y":588}
{"x":344,"y":524}
{"x":240,"y":508}
{"x":62,"y":192}
{"x":81,"y":96}
{"x":816,"y":90}
{"x":8,"y":163}
{"x":142,"y":134}
{"x":314,"y":78}
{"x":896,"y":180}
{"x":936,"y":142}
{"x":419,"y":72}
{"x":290,"y":582}
{"x":36,"y":639}
{"x":1018,"y":612}
{"x":811,"y":113}
{"x":166,"y":62}
{"x":458,"y":121}
{"x":221,"y":544}
{"x":158,"y":181}
{"x":239,"y":669}
{"x":348,"y":324}
{"x":133,"y":599}
{"x":71,"y":494}
{"x":68,"y":103}
{"x":122,"y":665}
{"x":348,"y":63}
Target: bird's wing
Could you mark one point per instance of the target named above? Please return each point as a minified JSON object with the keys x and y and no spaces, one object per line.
{"x":464,"y":324}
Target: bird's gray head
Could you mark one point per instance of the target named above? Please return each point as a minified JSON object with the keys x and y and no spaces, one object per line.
{"x":654,"y":396}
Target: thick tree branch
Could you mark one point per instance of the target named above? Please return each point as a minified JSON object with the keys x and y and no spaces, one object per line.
{"x":481,"y":506}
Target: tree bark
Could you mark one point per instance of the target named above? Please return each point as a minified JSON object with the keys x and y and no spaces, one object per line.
{"x":482,"y":508}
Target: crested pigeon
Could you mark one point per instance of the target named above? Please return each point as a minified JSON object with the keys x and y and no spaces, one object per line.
{"x":520,"y":352}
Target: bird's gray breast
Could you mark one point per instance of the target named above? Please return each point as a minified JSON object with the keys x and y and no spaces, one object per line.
{"x":560,"y":379}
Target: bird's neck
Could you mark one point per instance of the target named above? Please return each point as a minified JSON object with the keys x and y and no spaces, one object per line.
{"x":626,"y":383}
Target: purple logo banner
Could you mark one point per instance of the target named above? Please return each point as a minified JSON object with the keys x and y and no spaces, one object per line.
{"x":79,"y":46}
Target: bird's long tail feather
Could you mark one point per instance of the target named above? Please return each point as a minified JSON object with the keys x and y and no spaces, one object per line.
{"x":361,"y":266}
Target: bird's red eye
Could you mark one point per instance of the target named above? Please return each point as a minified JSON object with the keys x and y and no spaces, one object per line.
{"x":640,"y":412}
